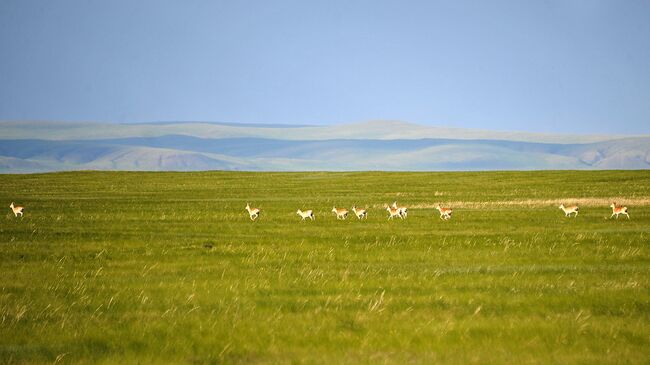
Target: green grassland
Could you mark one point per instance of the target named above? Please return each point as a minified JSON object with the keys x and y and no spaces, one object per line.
{"x":119,"y":267}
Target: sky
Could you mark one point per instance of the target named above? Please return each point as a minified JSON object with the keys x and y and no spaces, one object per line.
{"x":567,"y":66}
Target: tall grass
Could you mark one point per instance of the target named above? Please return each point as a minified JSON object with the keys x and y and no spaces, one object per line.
{"x":117,"y":267}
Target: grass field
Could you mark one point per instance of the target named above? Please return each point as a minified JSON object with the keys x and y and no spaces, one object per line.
{"x":146,"y":268}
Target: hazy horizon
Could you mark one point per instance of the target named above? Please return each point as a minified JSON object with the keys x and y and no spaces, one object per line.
{"x":339,"y":124}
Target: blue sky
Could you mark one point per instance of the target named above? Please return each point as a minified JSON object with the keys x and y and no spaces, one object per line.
{"x":578,"y":66}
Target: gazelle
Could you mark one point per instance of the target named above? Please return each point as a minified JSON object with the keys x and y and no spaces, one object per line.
{"x":618,"y":209}
{"x":445,"y":213}
{"x":569,"y":210}
{"x":16,"y":209}
{"x":393,"y":212}
{"x":306,"y":214}
{"x":403,"y":211}
{"x":360,"y":213}
{"x":341,"y":213}
{"x":252,"y":212}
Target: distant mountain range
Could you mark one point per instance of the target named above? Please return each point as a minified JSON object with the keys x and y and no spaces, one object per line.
{"x":379,"y":145}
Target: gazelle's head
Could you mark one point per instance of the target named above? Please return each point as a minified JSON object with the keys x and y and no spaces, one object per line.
{"x":394,"y":204}
{"x":438,"y":206}
{"x":298,"y":211}
{"x":12,"y":205}
{"x":248,"y":206}
{"x":334,"y":209}
{"x":613,"y":205}
{"x":561,"y":206}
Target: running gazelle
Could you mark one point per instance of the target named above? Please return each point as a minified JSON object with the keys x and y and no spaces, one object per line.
{"x":16,"y":209}
{"x":403,"y":211}
{"x":618,"y":209}
{"x":569,"y":210}
{"x":393,"y":212}
{"x":306,"y":214}
{"x":445,"y":213}
{"x":341,"y":213}
{"x":360,"y":213}
{"x":252,"y":212}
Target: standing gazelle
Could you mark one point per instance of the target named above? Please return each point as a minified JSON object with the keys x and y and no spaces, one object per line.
{"x":445,"y":213}
{"x":306,"y":214}
{"x":16,"y":209}
{"x":393,"y":212}
{"x":341,"y":213}
{"x":403,"y":211}
{"x":252,"y":212}
{"x":618,"y":209}
{"x":360,"y":213}
{"x":569,"y":210}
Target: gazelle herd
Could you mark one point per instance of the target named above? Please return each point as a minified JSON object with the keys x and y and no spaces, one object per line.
{"x":394,"y":211}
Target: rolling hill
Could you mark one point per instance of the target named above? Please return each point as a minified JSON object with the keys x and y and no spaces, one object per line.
{"x":380,"y":145}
